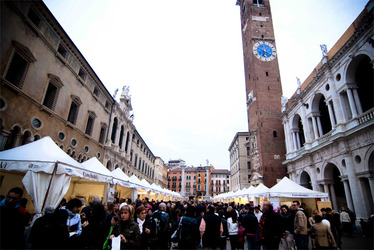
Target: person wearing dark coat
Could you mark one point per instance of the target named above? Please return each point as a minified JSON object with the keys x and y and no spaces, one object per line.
{"x":250,"y":224}
{"x":190,"y":236}
{"x":269,"y":230}
{"x":211,"y":229}
{"x":127,"y":228}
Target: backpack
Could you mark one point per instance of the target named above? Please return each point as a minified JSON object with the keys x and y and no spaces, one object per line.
{"x":155,"y":226}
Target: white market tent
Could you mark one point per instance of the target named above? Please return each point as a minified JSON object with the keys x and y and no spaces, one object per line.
{"x":48,"y":171}
{"x":260,"y":191}
{"x":98,"y":183}
{"x":288,"y":188}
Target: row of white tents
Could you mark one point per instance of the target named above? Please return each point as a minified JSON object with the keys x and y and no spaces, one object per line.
{"x":284,"y":190}
{"x":48,"y":174}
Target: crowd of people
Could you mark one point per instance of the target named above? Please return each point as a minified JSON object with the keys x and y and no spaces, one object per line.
{"x":144,"y":224}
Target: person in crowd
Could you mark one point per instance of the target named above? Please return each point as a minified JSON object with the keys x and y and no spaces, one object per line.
{"x":141,"y":214}
{"x":50,"y":230}
{"x":211,"y":229}
{"x":286,"y":224}
{"x":258,"y":213}
{"x":87,"y":209}
{"x":233,"y":228}
{"x":127,"y":228}
{"x":190,"y":235}
{"x":225,"y":234}
{"x":335,"y":225}
{"x":159,"y":226}
{"x":250,"y":224}
{"x":300,"y":226}
{"x":322,"y":237}
{"x":111,"y":208}
{"x":311,"y":219}
{"x":269,"y":230}
{"x":94,"y":234}
{"x":12,"y":220}
{"x":74,"y":221}
{"x":114,"y":222}
{"x":345,"y":219}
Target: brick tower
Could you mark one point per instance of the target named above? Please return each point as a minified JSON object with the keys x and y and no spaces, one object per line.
{"x":264,"y":93}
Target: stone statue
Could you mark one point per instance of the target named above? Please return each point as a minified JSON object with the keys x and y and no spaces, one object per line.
{"x":324,"y":49}
{"x":115,"y":94}
{"x":298,"y":82}
{"x":284,"y":103}
{"x":125,"y":90}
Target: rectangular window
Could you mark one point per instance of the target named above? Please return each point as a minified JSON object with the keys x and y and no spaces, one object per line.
{"x":82,"y":74}
{"x":17,"y":70}
{"x":249,"y":165}
{"x":247,"y":151}
{"x":102,"y":135}
{"x":72,"y":117}
{"x":35,"y":19}
{"x":63,"y":52}
{"x":90,"y":123}
{"x":50,"y":96}
{"x":96,"y":92}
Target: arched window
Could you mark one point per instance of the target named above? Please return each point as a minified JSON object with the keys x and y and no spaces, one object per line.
{"x":121,"y":137}
{"x":114,"y":130}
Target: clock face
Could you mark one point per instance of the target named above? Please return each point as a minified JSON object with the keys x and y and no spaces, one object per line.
{"x":264,"y":51}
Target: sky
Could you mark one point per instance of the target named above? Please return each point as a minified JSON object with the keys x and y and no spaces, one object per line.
{"x":183,"y":61}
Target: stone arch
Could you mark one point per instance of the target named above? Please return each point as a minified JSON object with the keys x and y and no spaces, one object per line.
{"x":26,"y":138}
{"x":306,"y":180}
{"x":361,"y":73}
{"x":117,"y":166}
{"x":298,"y":128}
{"x":332,"y":177}
{"x":109,"y":165}
{"x":320,"y":109}
{"x":14,"y":137}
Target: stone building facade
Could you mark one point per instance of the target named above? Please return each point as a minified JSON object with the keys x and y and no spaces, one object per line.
{"x":240,"y":163}
{"x":220,"y":182}
{"x":329,"y":121}
{"x":49,"y":89}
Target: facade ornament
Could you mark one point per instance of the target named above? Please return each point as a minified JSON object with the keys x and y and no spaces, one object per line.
{"x":298,"y":85}
{"x":115,"y":93}
{"x":251,"y":99}
{"x":324,"y":49}
{"x":125,"y":91}
{"x":284,"y":101}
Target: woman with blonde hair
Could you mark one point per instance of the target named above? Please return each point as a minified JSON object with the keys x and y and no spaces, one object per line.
{"x":127,"y":228}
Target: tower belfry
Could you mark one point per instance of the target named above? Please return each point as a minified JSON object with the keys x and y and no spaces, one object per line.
{"x":264,"y":93}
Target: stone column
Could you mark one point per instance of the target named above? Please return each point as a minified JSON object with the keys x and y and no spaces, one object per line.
{"x":348,"y":195}
{"x":357,"y":101}
{"x":183,"y":191}
{"x":355,"y":190}
{"x":331,"y":113}
{"x":295,"y":141}
{"x":333,"y":196}
{"x":207,"y":181}
{"x":319,"y":125}
{"x":371,"y":184}
{"x":298,"y":139}
{"x":352,"y":103}
{"x":315,"y":127}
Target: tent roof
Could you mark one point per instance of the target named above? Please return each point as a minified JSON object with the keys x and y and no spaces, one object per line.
{"x":260,"y":190}
{"x":95,"y":165}
{"x":43,"y":150}
{"x":119,"y":174}
{"x":39,"y":155}
{"x":288,"y":188}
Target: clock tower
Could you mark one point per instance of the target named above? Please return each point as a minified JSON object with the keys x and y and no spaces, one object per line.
{"x":264,"y":93}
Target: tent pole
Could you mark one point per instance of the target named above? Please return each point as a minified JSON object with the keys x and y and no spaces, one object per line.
{"x":49,"y":186}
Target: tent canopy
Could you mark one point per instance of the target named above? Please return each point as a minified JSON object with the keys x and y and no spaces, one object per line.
{"x":288,"y":188}
{"x":38,"y":156}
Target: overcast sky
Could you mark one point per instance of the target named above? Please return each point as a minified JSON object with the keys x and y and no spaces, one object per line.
{"x":183,"y":61}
